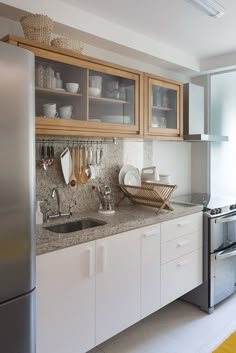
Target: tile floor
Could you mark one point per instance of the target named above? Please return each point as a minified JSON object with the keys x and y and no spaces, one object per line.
{"x":177,"y":328}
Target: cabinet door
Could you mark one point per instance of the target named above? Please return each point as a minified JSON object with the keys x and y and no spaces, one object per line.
{"x":66,"y":300}
{"x":117,"y":283}
{"x":150,"y":270}
{"x":85,"y":95}
{"x":164,"y":108}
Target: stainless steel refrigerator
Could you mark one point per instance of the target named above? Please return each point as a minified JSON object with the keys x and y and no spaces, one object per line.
{"x":17,"y":200}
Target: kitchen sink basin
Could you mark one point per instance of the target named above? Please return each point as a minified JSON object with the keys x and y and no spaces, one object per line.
{"x":70,"y":227}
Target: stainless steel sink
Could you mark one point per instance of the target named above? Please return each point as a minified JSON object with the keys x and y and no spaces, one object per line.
{"x":70,"y":227}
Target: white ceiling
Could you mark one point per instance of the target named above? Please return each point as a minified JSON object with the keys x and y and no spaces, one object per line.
{"x":168,"y":33}
{"x":173,"y":22}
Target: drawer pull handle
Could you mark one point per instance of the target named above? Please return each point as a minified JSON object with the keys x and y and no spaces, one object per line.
{"x":181,"y":224}
{"x":183,"y":243}
{"x":151,"y":234}
{"x":182,"y":263}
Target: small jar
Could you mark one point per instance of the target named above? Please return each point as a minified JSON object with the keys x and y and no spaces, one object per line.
{"x":39,"y":76}
{"x":48,"y":77}
{"x":59,"y":80}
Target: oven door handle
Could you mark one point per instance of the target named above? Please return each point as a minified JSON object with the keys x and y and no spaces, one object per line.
{"x":226,"y":219}
{"x":221,"y":255}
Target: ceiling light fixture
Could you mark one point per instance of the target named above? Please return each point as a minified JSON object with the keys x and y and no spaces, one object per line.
{"x":210,"y":7}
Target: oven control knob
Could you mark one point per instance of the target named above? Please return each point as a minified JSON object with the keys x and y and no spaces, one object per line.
{"x":232,"y":207}
{"x":213,"y":211}
{"x":218,"y":210}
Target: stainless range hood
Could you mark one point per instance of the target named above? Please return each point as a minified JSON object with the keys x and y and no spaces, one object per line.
{"x":196,"y":122}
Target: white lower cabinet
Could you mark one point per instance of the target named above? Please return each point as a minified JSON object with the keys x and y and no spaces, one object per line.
{"x":117,"y":283}
{"x":150,"y":270}
{"x":89,"y":292}
{"x":66,"y":300}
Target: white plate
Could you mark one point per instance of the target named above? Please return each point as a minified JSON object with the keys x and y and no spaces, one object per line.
{"x":132,"y":178}
{"x":126,"y":168}
{"x":66,"y":164}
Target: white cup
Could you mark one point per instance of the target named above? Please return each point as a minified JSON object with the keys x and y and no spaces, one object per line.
{"x":50,"y":105}
{"x":67,"y":108}
{"x":50,"y":113}
{"x":65,"y":113}
{"x":72,"y":87}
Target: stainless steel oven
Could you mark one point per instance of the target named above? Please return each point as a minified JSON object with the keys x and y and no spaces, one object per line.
{"x":222,"y":257}
{"x":219,"y":258}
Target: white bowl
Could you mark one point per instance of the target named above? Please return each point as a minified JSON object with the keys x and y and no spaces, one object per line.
{"x":96,"y":92}
{"x":72,"y":87}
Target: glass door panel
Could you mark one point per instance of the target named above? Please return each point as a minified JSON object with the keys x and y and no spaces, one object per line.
{"x":111,"y":98}
{"x":61,"y":90}
{"x":164,"y":107}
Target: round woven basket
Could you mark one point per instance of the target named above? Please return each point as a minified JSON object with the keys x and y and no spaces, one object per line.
{"x":37,"y":27}
{"x":70,"y":44}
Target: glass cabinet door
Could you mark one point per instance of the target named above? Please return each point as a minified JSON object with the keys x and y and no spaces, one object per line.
{"x":66,"y":94}
{"x":111,"y":98}
{"x":163,"y":108}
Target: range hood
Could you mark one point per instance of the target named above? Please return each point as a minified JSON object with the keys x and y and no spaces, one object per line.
{"x":195,"y":123}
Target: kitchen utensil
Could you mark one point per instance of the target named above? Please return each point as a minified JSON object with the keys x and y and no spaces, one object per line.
{"x":84,"y":177}
{"x":101,"y":154}
{"x":72,"y":87}
{"x":97,"y":156}
{"x":150,"y":173}
{"x":77,"y":164}
{"x":43,"y":162}
{"x":72,"y":177}
{"x":66,"y":164}
{"x":126,"y":168}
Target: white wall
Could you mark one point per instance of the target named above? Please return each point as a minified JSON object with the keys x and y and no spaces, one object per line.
{"x":174,"y":158}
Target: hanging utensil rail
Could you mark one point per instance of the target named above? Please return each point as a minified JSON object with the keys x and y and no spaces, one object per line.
{"x":77,"y":141}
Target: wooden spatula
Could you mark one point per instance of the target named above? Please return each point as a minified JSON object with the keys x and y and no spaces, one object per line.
{"x":83,"y":176}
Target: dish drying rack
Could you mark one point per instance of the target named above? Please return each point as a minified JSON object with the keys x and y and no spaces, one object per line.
{"x":149,"y":194}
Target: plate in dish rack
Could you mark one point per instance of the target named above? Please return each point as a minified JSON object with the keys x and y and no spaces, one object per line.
{"x":126,"y":168}
{"x":132,"y":178}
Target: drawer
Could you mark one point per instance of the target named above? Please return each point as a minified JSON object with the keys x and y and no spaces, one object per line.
{"x":181,"y":226}
{"x":173,"y":249}
{"x":180,"y":276}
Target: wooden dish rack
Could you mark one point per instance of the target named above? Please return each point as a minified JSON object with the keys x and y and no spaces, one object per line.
{"x":149,"y":194}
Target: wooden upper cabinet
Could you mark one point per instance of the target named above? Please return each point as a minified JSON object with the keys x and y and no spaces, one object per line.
{"x":163,"y":108}
{"x":108,"y":102}
{"x":110,"y":98}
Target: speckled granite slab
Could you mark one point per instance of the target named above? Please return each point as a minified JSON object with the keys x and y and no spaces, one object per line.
{"x":126,"y":218}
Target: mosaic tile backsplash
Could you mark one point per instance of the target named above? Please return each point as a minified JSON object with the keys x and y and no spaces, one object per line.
{"x":84,"y":198}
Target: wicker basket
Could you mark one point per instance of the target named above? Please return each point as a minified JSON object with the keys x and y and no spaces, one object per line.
{"x":37,"y":27}
{"x":69,"y":44}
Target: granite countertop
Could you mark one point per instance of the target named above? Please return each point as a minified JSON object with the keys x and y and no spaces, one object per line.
{"x":125,"y":218}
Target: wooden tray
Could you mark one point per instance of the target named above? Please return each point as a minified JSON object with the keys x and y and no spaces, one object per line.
{"x":149,"y":194}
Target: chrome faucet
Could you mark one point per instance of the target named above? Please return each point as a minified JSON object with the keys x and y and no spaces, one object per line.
{"x":47,"y":217}
{"x":56,"y":192}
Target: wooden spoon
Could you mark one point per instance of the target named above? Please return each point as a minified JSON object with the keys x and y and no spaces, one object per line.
{"x":83,"y":176}
{"x":77,"y":164}
{"x":72,"y":181}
